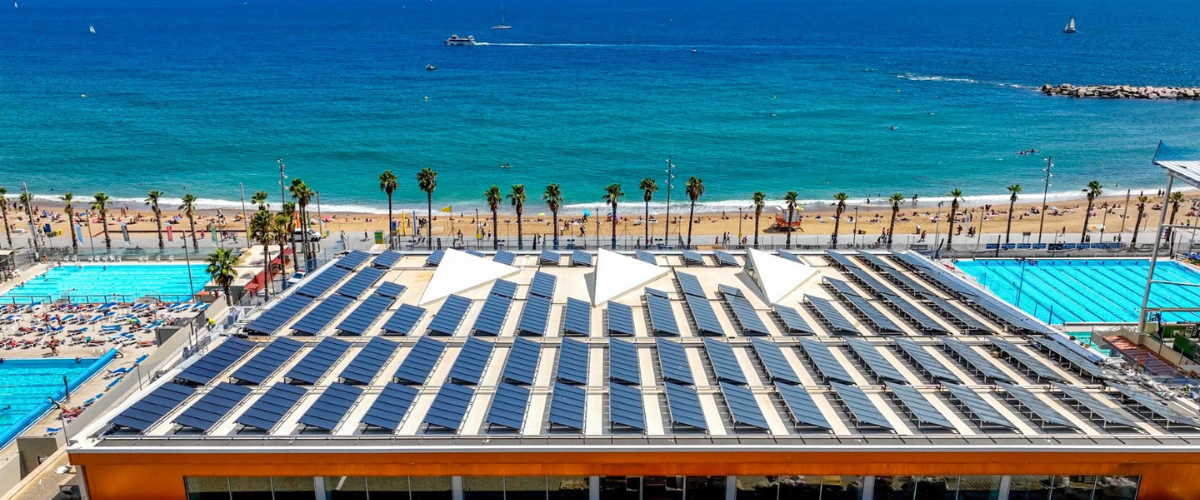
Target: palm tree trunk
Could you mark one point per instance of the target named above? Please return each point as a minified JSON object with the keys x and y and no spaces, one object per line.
{"x":74,"y":242}
{"x":614,"y":227}
{"x":7,"y":232}
{"x":267,"y":270}
{"x":429,"y":219}
{"x":554,"y":218}
{"x":107,"y":240}
{"x":950,"y":231}
{"x":391,"y":224}
{"x":788,"y":242}
{"x":756,"y":216}
{"x":295,"y":261}
{"x":892,"y":228}
{"x":1137,"y":224}
{"x":520,"y":239}
{"x":158,"y":221}
{"x":691,"y":217}
{"x":1086,"y":218}
{"x":495,"y":230}
{"x":192,"y":225}
{"x":228,"y":300}
{"x":837,"y":223}
{"x":1007,"y":230}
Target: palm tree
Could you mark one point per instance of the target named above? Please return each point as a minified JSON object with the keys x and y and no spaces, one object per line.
{"x":26,"y":199}
{"x":1015,"y":189}
{"x":427,"y":181}
{"x":554,"y":201}
{"x":896,"y":199}
{"x":517,"y":198}
{"x":101,"y":207}
{"x":494,"y":199}
{"x":260,"y":199}
{"x":759,"y":199}
{"x":612,"y":194}
{"x":837,"y":221}
{"x":1176,"y":198}
{"x":1142,"y":199}
{"x":695,"y":189}
{"x":152,"y":200}
{"x":279,"y":233}
{"x":303,"y":195}
{"x":1093,"y":191}
{"x":4,"y":213}
{"x":955,"y":194}
{"x":388,"y":184}
{"x":221,"y":270}
{"x":790,"y":198}
{"x":648,"y":187}
{"x":67,"y":198}
{"x":189,"y":210}
{"x":289,"y":211}
{"x":260,"y":231}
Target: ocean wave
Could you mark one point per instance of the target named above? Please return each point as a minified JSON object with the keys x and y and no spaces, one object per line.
{"x":934,"y":78}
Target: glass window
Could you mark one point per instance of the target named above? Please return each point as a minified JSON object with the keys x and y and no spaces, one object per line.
{"x":620,"y":488}
{"x":706,"y":487}
{"x":978,"y":487}
{"x":292,"y":488}
{"x":841,"y":487}
{"x":1117,"y":487}
{"x":483,"y":488}
{"x":662,"y":488}
{"x":345,"y":488}
{"x":932,"y":488}
{"x":250,"y":488}
{"x":567,"y":487}
{"x":1073,"y":487}
{"x":799,"y":487}
{"x":525,"y":488}
{"x":893,"y":488}
{"x":429,"y":488}
{"x":207,"y":488}
{"x":1030,"y":488}
{"x":387,"y":488}
{"x":757,"y":488}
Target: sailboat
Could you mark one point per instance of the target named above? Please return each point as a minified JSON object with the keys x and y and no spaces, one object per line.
{"x":502,"y":25}
{"x":91,"y":29}
{"x":1070,"y":26}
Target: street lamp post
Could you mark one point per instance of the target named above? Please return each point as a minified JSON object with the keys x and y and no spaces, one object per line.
{"x":937,"y":227}
{"x":1045,"y":193}
{"x":854,"y":238}
{"x":667,"y":231}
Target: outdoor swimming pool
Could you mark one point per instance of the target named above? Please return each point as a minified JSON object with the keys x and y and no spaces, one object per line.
{"x":114,"y":282}
{"x":1087,"y":290}
{"x":27,"y":384}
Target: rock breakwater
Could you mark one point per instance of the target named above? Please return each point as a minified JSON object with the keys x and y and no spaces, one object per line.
{"x":1122,"y":92}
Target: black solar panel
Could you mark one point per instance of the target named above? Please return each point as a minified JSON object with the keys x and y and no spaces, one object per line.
{"x":150,"y":409}
{"x":271,"y":407}
{"x":471,"y":360}
{"x":975,"y":361}
{"x":837,"y":323}
{"x":534,"y":316}
{"x":982,"y":412}
{"x":390,"y":290}
{"x":646,"y":257}
{"x":793,"y":321}
{"x":435,"y":258}
{"x":387,"y":259}
{"x":925,"y":361}
{"x":662,"y":317}
{"x":673,"y":361}
{"x":581,"y":258}
{"x":842,"y":287}
{"x":778,"y":367}
{"x":862,"y":410}
{"x":704,"y":316}
{"x":882,"y":324}
{"x":1082,"y":365}
{"x":743,"y":408}
{"x":623,"y":362}
{"x":450,"y":406}
{"x":404,"y":319}
{"x":578,"y":318}
{"x":690,"y":284}
{"x":522,"y":361}
{"x":212,"y":407}
{"x":492,"y":315}
{"x":508,"y":406}
{"x":450,"y":315}
{"x":504,"y":288}
{"x":549,"y":258}
{"x":360,"y":282}
{"x":879,"y":365}
{"x":828,"y":365}
{"x":1040,"y":370}
{"x":331,"y":406}
{"x":475,"y":253}
{"x":1153,"y":408}
{"x":352,"y":260}
{"x":957,"y":315}
{"x":389,"y":408}
{"x":840,"y":260}
{"x":620,"y":319}
{"x":316,"y":286}
{"x":269,"y":359}
{"x":1095,"y":409}
{"x":367,"y":364}
{"x":724,"y":361}
{"x":790,"y":256}
{"x":273,"y":319}
{"x":919,"y":409}
{"x":218,"y":360}
{"x":926,"y":322}
{"x":801,"y":406}
{"x":684,"y":404}
{"x":567,"y":405}
{"x":873,"y":284}
{"x":573,"y":362}
{"x":323,"y":314}
{"x":745,"y":315}
{"x":420,"y":360}
{"x":1034,"y":408}
{"x":320,"y":359}
{"x":505,"y":257}
{"x":625,"y":406}
{"x":543,"y":285}
{"x":725,"y":259}
{"x":692,"y":258}
{"x":365,"y":315}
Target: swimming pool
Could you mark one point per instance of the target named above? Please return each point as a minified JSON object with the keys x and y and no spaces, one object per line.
{"x":27,"y":384}
{"x":115,"y":282}
{"x":1087,"y":290}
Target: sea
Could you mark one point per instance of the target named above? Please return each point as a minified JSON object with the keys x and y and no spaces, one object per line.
{"x":866,"y":97}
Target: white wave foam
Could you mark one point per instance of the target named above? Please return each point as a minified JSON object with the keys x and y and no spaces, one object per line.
{"x":934,"y":78}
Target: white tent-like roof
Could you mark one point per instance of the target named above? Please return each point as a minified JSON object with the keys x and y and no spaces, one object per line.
{"x":460,"y":271}
{"x":617,"y":275}
{"x":776,"y":276}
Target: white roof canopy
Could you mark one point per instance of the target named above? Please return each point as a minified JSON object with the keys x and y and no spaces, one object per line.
{"x":617,"y":275}
{"x":460,"y":271}
{"x":776,"y":276}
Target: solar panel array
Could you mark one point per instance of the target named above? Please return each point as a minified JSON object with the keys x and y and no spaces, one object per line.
{"x":323,"y":314}
{"x":625,"y":406}
{"x":352,"y":260}
{"x":369,"y":361}
{"x":1092,"y":407}
{"x":549,"y":258}
{"x":909,"y":310}
{"x":450,"y":315}
{"x":828,"y":365}
{"x":623,"y":362}
{"x":1040,"y":370}
{"x":360,"y":282}
{"x":1034,"y":408}
{"x":862,"y":410}
{"x":508,"y":406}
{"x":692,"y":258}
{"x":577,"y":319}
{"x":790,"y":256}
{"x":704,"y":315}
{"x":1075,"y":360}
{"x":365,"y":315}
{"x":420,"y":360}
{"x":151,"y":408}
{"x":744,"y":314}
{"x":925,"y":361}
{"x":984,"y":414}
{"x":567,"y":405}
{"x":957,"y":315}
{"x":269,"y":359}
{"x":218,"y":360}
{"x":543,"y":285}
{"x":271,"y":407}
{"x":690,"y":285}
{"x":673,"y":361}
{"x":620,"y":319}
{"x":743,"y":408}
{"x":975,"y":361}
{"x":316,"y":286}
{"x":534,"y":316}
{"x":468,"y":366}
{"x":662,"y":317}
{"x":313,"y":366}
{"x":405,"y":318}
{"x":204,"y":414}
{"x":387,"y":259}
{"x":800,"y":405}
{"x":581,"y":258}
{"x":793,"y":321}
{"x":272,"y":320}
{"x":331,"y":406}
{"x":725,"y":259}
{"x":449,"y":406}
{"x":390,"y":290}
{"x":881,"y":323}
{"x":875,"y":361}
{"x":505,"y":257}
{"x":573,"y":362}
{"x":435,"y":258}
{"x":778,"y":367}
{"x":684,"y":405}
{"x":390,"y":407}
{"x":646,"y":257}
{"x":918,"y":408}
{"x":837,"y":323}
{"x":724,"y":361}
{"x":1153,"y":408}
{"x":522,"y":361}
{"x":495,"y":309}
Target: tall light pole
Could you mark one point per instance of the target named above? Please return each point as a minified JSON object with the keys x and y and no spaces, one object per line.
{"x":282,"y":187}
{"x":1045,"y":193}
{"x":854,"y":238}
{"x":937,"y":227}
{"x":667,"y":234}
{"x":245,"y":220}
{"x":1128,"y":193}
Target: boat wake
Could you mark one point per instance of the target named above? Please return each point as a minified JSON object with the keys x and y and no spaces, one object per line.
{"x":951,"y":79}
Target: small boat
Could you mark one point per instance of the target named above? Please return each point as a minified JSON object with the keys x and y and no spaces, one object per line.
{"x":15,"y":6}
{"x":91,"y":29}
{"x":430,"y":67}
{"x":502,"y":25}
{"x":1070,"y":26}
{"x":458,"y":40}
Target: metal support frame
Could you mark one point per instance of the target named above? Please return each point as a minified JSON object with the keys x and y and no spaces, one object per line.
{"x":1162,"y":219}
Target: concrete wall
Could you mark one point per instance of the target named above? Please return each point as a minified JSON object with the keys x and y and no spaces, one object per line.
{"x":34,"y":450}
{"x":10,"y":473}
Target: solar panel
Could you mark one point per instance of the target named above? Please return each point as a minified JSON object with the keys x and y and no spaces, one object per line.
{"x":875,"y":261}
{"x":1095,"y":409}
{"x":834,"y":319}
{"x":745,"y":315}
{"x":390,"y":290}
{"x":573,"y":362}
{"x":504,"y":288}
{"x":578,"y":318}
{"x":625,"y":406}
{"x":623,"y":362}
{"x":365,"y":315}
{"x":269,"y":359}
{"x":468,"y":366}
{"x":862,"y":410}
{"x":543,"y":285}
{"x":435,"y":258}
{"x":1081,"y":364}
{"x":657,"y":293}
{"x":690,"y":284}
{"x":404,"y":319}
{"x":567,"y":404}
{"x":874,"y":360}
{"x":150,"y":409}
{"x":926,"y":322}
{"x":828,"y":365}
{"x":389,"y":408}
{"x":673,"y":361}
{"x":724,"y":361}
{"x":925,"y":362}
{"x":620,"y":319}
{"x":743,"y":408}
{"x":790,"y":256}
{"x":273,"y":319}
{"x":872,"y":283}
{"x":684,"y":404}
{"x":320,"y":359}
{"x":360,"y":282}
{"x":1157,"y":410}
{"x":882,"y":324}
{"x":420,"y":360}
{"x":450,"y":315}
{"x":352,"y":260}
{"x":216,"y":361}
{"x":704,"y":316}
{"x":793,"y":321}
{"x":331,"y":406}
{"x":450,"y":406}
{"x":646,"y":257}
{"x":918,"y":408}
{"x":581,"y":258}
{"x":957,"y":315}
{"x":801,"y":406}
{"x":505,"y":257}
{"x":975,"y":361}
{"x":725,"y":259}
{"x":316,"y":286}
{"x":773,"y":360}
{"x":492,"y":315}
{"x":730,"y":290}
{"x":1040,"y":370}
{"x":983,"y":413}
{"x":842,"y":287}
{"x":841,"y":260}
{"x":508,"y":406}
{"x":1034,"y":408}
{"x":475,"y":253}
{"x":534,"y":316}
{"x":369,"y":361}
{"x":322,"y":315}
{"x":662,"y":317}
{"x":692,"y":258}
{"x":271,"y":407}
{"x":387,"y":259}
{"x":212,"y":407}
{"x":522,"y":361}
{"x":549,"y":257}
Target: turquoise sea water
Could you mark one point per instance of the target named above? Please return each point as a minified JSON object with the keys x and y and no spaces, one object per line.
{"x":778,"y":95}
{"x":118,"y":282}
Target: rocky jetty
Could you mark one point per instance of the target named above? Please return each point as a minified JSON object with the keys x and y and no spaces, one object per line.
{"x":1122,"y":92}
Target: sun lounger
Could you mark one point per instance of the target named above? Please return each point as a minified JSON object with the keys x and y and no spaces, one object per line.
{"x":113,"y":383}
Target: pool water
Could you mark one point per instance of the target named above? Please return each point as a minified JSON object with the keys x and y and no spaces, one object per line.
{"x":26,"y":386}
{"x":1087,"y":290}
{"x":111,"y":283}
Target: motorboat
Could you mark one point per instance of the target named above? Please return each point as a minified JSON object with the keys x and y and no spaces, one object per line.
{"x":458,"y":40}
